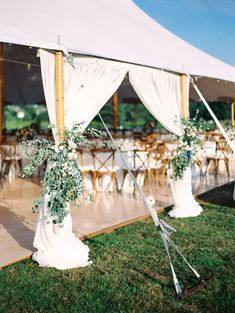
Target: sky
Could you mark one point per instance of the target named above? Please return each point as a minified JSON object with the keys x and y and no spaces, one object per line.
{"x":206,"y":24}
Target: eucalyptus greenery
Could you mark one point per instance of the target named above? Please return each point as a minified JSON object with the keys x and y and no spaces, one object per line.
{"x":63,"y":178}
{"x":188,"y":146}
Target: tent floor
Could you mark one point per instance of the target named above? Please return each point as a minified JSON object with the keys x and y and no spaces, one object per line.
{"x":108,"y":212}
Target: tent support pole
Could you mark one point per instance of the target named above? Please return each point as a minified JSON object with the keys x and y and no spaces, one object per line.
{"x":232,"y":113}
{"x":1,"y":92}
{"x":59,"y":89}
{"x":184,"y":100}
{"x":115,"y":110}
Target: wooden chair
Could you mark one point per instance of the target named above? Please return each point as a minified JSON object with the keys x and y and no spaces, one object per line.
{"x":104,"y":165}
{"x":222,"y":153}
{"x":10,"y":158}
{"x":138,"y":167}
{"x":2,"y":156}
{"x":82,"y":154}
{"x":162,"y":163}
{"x":149,"y":141}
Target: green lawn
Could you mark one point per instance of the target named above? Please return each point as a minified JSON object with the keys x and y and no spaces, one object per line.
{"x":131,"y":272}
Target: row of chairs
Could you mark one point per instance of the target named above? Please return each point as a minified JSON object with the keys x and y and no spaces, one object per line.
{"x":220,"y":152}
{"x":151,"y":164}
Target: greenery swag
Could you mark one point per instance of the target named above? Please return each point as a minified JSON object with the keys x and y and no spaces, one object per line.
{"x":63,"y":178}
{"x":188,"y":146}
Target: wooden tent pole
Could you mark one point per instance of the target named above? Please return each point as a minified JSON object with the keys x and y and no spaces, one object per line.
{"x":184,"y":98}
{"x":115,"y":110}
{"x":1,"y":92}
{"x":232,"y":113}
{"x":59,"y":89}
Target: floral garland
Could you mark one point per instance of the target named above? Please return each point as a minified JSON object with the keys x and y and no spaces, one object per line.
{"x":188,"y":147}
{"x":63,"y":179}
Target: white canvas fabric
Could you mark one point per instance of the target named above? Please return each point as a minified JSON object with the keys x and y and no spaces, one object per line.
{"x":117,"y":30}
{"x":58,"y":246}
{"x":184,"y":203}
{"x":159,"y":91}
{"x":89,"y":84}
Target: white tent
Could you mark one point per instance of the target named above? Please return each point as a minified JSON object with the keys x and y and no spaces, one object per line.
{"x":116,"y":30}
{"x":131,"y":42}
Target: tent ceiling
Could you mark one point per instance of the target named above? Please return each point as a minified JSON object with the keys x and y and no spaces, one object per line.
{"x":22,"y":81}
{"x":212,"y":89}
{"x":116,"y":30}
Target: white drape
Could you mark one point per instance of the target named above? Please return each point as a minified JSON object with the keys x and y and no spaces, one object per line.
{"x":89,"y":84}
{"x":160,"y":93}
{"x":58,"y":246}
{"x":184,"y":203}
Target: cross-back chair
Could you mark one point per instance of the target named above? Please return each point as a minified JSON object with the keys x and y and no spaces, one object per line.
{"x":104,"y":165}
{"x":222,"y":153}
{"x":138,"y":164}
{"x":11,"y":159}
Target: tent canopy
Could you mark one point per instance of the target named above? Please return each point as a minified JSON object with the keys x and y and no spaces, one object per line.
{"x":116,"y":30}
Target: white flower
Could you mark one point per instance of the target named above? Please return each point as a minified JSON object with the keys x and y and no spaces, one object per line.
{"x":61,"y":147}
{"x":55,"y":148}
{"x":72,"y":144}
{"x":72,"y":156}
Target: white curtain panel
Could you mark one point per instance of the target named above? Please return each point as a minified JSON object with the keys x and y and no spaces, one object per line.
{"x":89,"y":84}
{"x":161,"y":94}
{"x":159,"y":91}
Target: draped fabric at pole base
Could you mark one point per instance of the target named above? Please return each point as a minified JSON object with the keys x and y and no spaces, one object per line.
{"x":185,"y":204}
{"x":160,"y":93}
{"x":89,"y":83}
{"x":57,"y":246}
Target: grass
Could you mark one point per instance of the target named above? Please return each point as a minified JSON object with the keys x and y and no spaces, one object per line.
{"x":131,"y":272}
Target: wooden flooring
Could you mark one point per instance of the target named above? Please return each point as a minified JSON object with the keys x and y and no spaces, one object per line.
{"x":109,"y":211}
